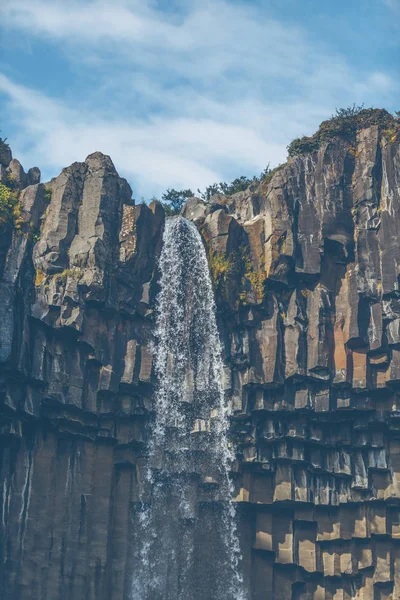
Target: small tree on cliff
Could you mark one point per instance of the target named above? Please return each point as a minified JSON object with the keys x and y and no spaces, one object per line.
{"x":240,"y":184}
{"x":173,"y":200}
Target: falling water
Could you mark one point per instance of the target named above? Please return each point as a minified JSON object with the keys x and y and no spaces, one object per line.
{"x":185,"y":539}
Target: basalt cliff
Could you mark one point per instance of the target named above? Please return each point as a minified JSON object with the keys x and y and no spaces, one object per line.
{"x":306,"y":268}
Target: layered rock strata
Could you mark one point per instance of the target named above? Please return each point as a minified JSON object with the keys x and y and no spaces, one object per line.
{"x":306,"y":270}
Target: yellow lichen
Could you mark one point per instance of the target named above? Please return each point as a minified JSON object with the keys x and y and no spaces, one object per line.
{"x":354,"y":152}
{"x":390,"y":134}
{"x":63,"y":276}
{"x":39,"y":277}
{"x":257,"y":280}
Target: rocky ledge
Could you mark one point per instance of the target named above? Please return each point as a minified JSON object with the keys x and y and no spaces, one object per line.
{"x":306,"y":269}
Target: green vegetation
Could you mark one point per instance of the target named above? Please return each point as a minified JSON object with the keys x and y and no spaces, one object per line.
{"x":231,"y":275}
{"x":257,"y":278}
{"x":39,"y":277}
{"x":63,"y":276}
{"x":4,"y":147}
{"x":223,"y":270}
{"x":11,"y":214}
{"x":60,"y":278}
{"x":10,"y":208}
{"x":220,"y":267}
{"x":345,"y":123}
{"x":35,"y":234}
{"x":47,"y":193}
{"x":240,"y":184}
{"x":174,"y":200}
{"x":391,"y":134}
{"x":267,"y":178}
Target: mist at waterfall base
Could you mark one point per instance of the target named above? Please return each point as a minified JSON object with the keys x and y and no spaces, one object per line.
{"x":185,"y":543}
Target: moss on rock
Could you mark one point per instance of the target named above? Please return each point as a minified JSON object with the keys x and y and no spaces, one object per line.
{"x":10,"y":208}
{"x":345,"y":126}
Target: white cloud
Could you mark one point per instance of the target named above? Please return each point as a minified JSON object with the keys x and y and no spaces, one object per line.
{"x":178,"y":98}
{"x":177,"y":152}
{"x":393,"y":5}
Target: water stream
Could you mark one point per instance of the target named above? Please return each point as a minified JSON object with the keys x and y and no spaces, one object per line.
{"x":186,"y":545}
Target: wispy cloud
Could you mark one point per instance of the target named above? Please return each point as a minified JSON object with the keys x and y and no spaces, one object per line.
{"x":393,"y":5}
{"x":155,"y":154}
{"x":178,"y":98}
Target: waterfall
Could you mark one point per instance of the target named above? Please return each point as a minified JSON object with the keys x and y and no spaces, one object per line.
{"x":186,"y":545}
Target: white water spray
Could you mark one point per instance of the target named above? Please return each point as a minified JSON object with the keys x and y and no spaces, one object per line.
{"x":186,"y":543}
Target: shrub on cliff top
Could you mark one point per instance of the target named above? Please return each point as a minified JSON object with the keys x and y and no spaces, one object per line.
{"x":173,"y":200}
{"x":5,"y":152}
{"x":240,"y":184}
{"x":344,"y":123}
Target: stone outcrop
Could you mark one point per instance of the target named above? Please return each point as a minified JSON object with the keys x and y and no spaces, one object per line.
{"x":75,"y":381}
{"x":306,"y":268}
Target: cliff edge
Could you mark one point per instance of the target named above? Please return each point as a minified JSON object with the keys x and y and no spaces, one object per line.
{"x":306,"y":273}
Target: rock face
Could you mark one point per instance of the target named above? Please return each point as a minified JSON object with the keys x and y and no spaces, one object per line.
{"x":76,"y":370}
{"x":306,"y":270}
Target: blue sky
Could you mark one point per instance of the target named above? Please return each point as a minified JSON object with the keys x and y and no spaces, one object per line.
{"x":185,"y":93}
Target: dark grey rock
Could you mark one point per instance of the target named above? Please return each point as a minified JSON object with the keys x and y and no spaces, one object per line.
{"x":309,"y":313}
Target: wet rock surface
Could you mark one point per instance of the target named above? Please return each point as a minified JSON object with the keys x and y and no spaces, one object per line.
{"x":306,"y":272}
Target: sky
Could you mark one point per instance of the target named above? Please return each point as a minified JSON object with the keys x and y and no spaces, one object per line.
{"x":185,"y":93}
